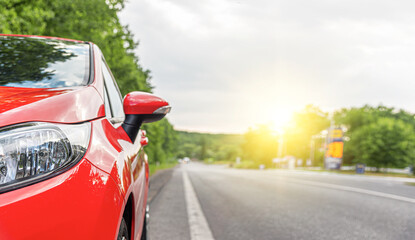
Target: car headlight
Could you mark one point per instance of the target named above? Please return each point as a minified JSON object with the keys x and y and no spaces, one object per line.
{"x":33,"y":151}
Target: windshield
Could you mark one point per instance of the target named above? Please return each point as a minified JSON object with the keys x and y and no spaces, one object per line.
{"x":33,"y":62}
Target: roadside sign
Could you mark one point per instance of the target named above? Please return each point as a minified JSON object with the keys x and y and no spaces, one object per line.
{"x":334,"y":149}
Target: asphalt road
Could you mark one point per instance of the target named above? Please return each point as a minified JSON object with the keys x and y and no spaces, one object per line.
{"x":197,"y":201}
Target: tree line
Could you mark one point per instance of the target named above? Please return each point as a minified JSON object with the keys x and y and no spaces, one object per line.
{"x":96,"y":21}
{"x":380,"y":136}
{"x":208,"y":147}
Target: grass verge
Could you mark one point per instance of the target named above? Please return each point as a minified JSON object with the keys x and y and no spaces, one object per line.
{"x":154,"y":167}
{"x":367,"y":173}
{"x":253,"y":165}
{"x":247,"y":165}
{"x":221,"y":162}
{"x":379,"y":174}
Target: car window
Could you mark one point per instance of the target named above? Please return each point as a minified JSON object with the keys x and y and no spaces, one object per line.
{"x":43,"y":63}
{"x":114,"y":96}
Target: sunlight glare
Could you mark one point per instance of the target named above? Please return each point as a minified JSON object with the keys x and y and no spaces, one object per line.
{"x":280,"y":119}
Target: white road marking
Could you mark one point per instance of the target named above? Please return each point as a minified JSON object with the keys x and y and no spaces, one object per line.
{"x":336,"y":187}
{"x":199,"y":228}
{"x":353,"y":189}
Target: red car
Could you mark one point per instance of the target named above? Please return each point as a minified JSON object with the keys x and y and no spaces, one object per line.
{"x":72,"y":164}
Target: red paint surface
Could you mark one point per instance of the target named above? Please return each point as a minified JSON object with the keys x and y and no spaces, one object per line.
{"x":88,"y":200}
{"x":142,"y":103}
{"x":82,"y":203}
{"x":112,"y":151}
{"x":70,"y":105}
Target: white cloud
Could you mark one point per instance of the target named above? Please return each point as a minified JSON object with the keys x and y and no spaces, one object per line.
{"x":225,"y":65}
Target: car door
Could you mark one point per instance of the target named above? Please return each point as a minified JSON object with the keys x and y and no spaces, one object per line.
{"x":132,"y":160}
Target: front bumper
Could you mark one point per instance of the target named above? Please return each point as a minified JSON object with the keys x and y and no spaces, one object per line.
{"x":81,"y":203}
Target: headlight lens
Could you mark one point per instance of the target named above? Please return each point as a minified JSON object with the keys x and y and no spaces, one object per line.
{"x":35,"y":150}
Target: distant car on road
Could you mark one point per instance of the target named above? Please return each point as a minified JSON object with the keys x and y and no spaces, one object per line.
{"x":72,"y":164}
{"x":186,"y":160}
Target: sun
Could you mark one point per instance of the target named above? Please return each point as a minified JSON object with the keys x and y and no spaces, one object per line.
{"x":279,"y":119}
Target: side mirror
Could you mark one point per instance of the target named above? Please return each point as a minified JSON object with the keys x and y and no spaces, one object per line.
{"x":141,"y":107}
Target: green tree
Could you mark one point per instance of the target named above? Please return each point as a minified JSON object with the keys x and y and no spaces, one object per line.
{"x":204,"y":146}
{"x":260,"y":145}
{"x":310,"y":121}
{"x":354,"y":119}
{"x":385,"y":143}
{"x":97,"y":21}
{"x":29,"y":17}
{"x":163,"y":141}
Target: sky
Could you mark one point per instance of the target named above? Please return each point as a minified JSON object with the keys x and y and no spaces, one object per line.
{"x":227,"y":65}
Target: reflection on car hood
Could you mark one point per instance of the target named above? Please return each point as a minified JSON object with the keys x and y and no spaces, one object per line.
{"x":65,"y":105}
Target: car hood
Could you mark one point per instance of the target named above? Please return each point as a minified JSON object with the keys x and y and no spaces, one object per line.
{"x":64,"y":105}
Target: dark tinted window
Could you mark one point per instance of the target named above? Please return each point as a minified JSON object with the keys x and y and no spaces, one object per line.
{"x":113,"y":92}
{"x":42,"y":63}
